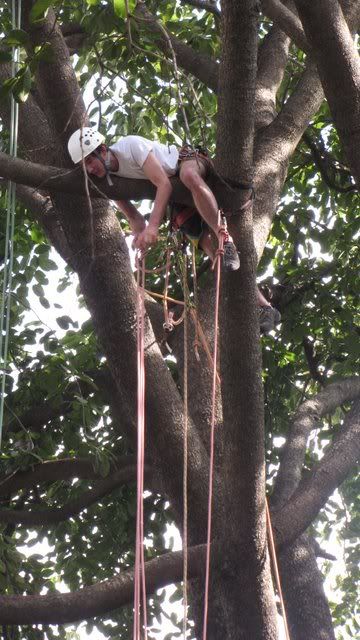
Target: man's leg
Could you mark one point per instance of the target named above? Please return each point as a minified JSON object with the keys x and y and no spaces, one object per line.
{"x":192,"y":176}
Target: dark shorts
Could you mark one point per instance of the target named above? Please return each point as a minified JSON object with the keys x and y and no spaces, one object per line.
{"x":188,"y":221}
{"x":200,"y":155}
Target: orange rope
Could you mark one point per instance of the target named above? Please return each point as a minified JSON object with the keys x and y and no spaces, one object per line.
{"x":167,"y":320}
{"x":219,"y":252}
{"x":185,"y":471}
{"x":276,"y":569}
{"x":204,"y":342}
{"x":196,"y":305}
{"x":139,"y":576}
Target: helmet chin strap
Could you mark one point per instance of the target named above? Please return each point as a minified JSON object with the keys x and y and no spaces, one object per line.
{"x":106,"y":164}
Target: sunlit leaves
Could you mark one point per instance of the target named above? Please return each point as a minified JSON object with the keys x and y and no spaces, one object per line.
{"x":123,"y":7}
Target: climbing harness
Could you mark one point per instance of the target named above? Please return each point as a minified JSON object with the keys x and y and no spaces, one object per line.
{"x":139,"y":575}
{"x":10,"y":225}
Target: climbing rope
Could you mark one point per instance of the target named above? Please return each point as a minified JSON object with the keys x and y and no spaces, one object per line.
{"x":169,"y":323}
{"x":10,"y":225}
{"x":219,"y":253}
{"x":196,"y":305}
{"x":276,"y":569}
{"x":185,"y":470}
{"x":139,"y":577}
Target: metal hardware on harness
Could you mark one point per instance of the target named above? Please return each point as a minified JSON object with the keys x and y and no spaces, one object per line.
{"x":244,"y":207}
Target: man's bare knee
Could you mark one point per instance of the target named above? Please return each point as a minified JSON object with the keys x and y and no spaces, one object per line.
{"x":191,"y":174}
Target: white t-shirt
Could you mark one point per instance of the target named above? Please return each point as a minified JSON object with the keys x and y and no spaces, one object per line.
{"x":132,"y":152}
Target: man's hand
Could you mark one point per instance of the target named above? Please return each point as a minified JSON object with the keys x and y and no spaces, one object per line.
{"x":137,"y":226}
{"x":146,"y":238}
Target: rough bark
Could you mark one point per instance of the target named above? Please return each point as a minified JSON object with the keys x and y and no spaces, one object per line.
{"x":272,"y":60}
{"x":306,"y":419}
{"x":60,"y":608}
{"x":317,"y":486}
{"x":52,"y":470}
{"x":242,"y":512}
{"x":306,"y":606}
{"x":338,"y":63}
{"x":53,"y":515}
{"x":287,"y":21}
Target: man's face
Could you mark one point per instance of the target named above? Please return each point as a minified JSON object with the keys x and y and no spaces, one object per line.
{"x":94,"y":166}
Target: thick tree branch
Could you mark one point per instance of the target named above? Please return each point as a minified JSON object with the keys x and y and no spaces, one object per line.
{"x":36,"y":139}
{"x":199,"y":65}
{"x":306,"y":604}
{"x":312,"y":360}
{"x":53,"y":515}
{"x":306,"y":419}
{"x":56,"y":82}
{"x":42,"y":211}
{"x":101,"y":598}
{"x":52,"y":470}
{"x":328,"y":171}
{"x":287,"y":21}
{"x":243,"y":500}
{"x":338,"y":63}
{"x":71,"y":181}
{"x":316,"y":487}
{"x":272,"y":61}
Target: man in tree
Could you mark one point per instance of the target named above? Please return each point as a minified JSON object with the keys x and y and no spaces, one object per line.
{"x":137,"y":157}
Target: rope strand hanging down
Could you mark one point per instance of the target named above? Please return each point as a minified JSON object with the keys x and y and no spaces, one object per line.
{"x":139,"y":575}
{"x":219,"y":253}
{"x":10,"y":226}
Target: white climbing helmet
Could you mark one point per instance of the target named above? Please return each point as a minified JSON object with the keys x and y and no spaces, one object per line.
{"x":83,"y":142}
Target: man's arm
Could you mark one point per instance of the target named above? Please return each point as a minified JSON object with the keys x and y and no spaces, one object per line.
{"x":134,"y":217}
{"x":156,"y":174}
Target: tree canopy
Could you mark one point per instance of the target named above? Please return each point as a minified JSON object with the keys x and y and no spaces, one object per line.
{"x":272,"y":90}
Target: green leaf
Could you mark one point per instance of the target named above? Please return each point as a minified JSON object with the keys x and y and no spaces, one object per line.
{"x":47,"y":264}
{"x":5,"y":56}
{"x":40,"y":277}
{"x":16,"y":37}
{"x":38,"y":290}
{"x":64,"y":322}
{"x":120,"y":7}
{"x":39,"y":10}
{"x":104,"y":466}
{"x":44,"y":302}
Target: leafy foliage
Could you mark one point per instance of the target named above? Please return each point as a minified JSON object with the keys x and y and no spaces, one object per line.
{"x":312,"y":257}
